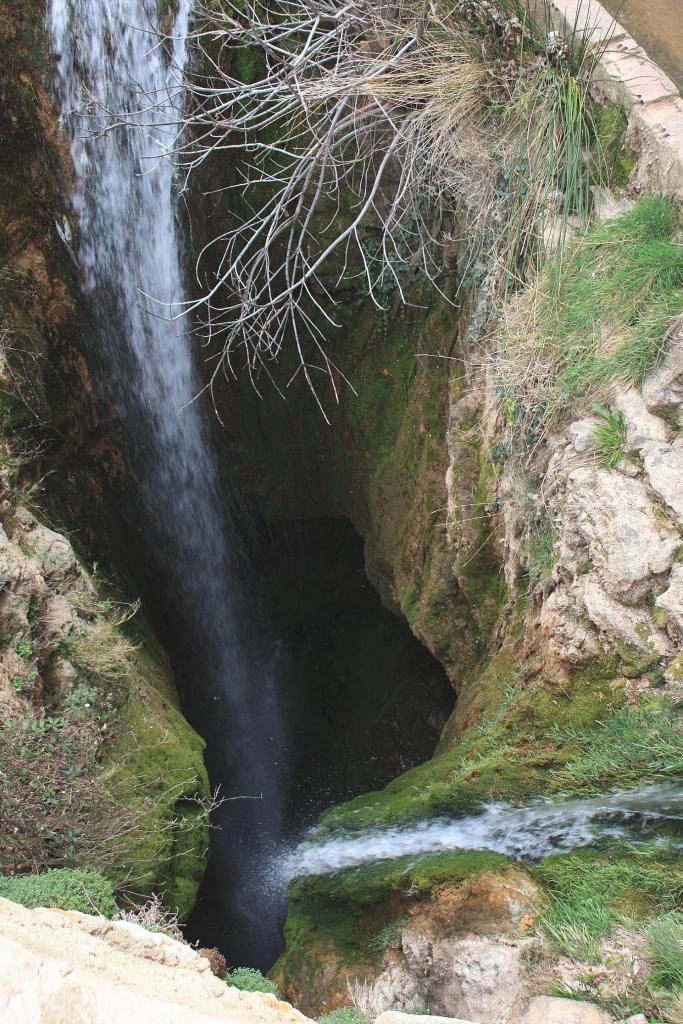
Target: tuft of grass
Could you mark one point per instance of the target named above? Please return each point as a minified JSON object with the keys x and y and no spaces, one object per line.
{"x":389,"y":937}
{"x":610,"y":436}
{"x":666,"y":952}
{"x":598,"y":319}
{"x":541,"y":556}
{"x":249,"y":979}
{"x":589,"y":892}
{"x":635,"y":743}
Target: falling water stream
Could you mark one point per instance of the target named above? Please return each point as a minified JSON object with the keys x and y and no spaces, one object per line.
{"x":525,"y":833}
{"x":110,"y":67}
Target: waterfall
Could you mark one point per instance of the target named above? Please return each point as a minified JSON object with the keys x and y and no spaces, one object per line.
{"x":118,"y":89}
{"x":525,"y":833}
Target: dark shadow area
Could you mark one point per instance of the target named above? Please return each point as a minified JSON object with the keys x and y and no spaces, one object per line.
{"x":361,"y":701}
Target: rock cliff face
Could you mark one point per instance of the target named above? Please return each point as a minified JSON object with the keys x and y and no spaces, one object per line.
{"x":555,"y":559}
{"x":112,"y":774}
{"x":57,"y":965}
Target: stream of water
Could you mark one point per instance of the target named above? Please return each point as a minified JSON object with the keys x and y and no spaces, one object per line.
{"x":525,"y":833}
{"x":111,"y":69}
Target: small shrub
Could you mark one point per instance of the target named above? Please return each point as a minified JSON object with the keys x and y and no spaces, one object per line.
{"x":153,"y":916}
{"x":248,"y":979}
{"x":65,"y":888}
{"x":344,"y":1015}
{"x":24,"y":650}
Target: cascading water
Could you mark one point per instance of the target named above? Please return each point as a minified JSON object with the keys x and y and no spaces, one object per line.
{"x":526,"y":833}
{"x":117,"y":85}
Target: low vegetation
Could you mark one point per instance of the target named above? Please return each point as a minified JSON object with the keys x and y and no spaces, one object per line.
{"x":67,"y":889}
{"x":616,"y":904}
{"x":597,"y":320}
{"x":248,"y":979}
{"x":344,"y":1015}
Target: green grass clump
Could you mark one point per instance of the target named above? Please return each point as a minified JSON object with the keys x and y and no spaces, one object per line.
{"x":609,"y":438}
{"x":666,"y":952}
{"x":344,"y":1015}
{"x":599,"y":318}
{"x":389,"y":937}
{"x":642,"y":742}
{"x":65,"y":888}
{"x":589,"y":892}
{"x":248,"y":979}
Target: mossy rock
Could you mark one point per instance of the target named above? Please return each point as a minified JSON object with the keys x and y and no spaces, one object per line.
{"x":154,"y":766}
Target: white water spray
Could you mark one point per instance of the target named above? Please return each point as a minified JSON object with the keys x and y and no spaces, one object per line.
{"x":525,"y":833}
{"x":118,"y":88}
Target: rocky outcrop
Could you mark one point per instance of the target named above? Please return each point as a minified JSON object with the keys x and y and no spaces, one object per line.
{"x":61,"y":965}
{"x":98,"y":766}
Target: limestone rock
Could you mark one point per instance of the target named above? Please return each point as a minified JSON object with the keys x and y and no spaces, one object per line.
{"x":581,"y":433}
{"x":548,"y":1010}
{"x":663,"y":389}
{"x":633,"y":626}
{"x":51,"y":550}
{"x":664,"y":468}
{"x":671,"y":601}
{"x":641,"y":425}
{"x":56,"y":619}
{"x":614,"y":516}
{"x":58,"y":966}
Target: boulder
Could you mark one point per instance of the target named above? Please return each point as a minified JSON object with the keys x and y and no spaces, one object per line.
{"x":663,"y":389}
{"x":671,"y":601}
{"x":62,"y":967}
{"x":614,"y":518}
{"x":549,"y":1010}
{"x":641,"y":425}
{"x":664,"y":468}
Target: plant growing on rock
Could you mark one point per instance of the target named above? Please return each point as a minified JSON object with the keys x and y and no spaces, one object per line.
{"x":610,"y":436}
{"x":248,"y":979}
{"x":368,"y":130}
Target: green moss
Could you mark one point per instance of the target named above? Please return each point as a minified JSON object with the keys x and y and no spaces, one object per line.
{"x":478,"y":566}
{"x":532,"y":740}
{"x":347,"y":910}
{"x":154,"y":765}
{"x":613,"y":159}
{"x":65,"y":888}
